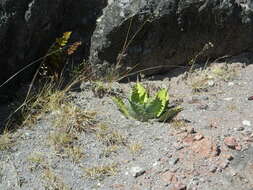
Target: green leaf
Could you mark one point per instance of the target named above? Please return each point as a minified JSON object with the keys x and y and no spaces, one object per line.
{"x":138,"y":111}
{"x":170,"y":113}
{"x":158,"y":104}
{"x":139,"y":94}
{"x":143,"y":108}
{"x":64,"y":39}
{"x":122,"y":106}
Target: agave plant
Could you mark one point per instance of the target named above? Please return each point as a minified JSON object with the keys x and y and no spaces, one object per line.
{"x":142,"y":107}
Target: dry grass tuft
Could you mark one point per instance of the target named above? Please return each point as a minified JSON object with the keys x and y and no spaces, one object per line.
{"x":37,"y":161}
{"x":109,"y":150}
{"x":61,"y":139}
{"x":73,"y":119}
{"x":100,"y":172}
{"x":75,"y":153}
{"x":6,"y":141}
{"x":179,"y":123}
{"x":42,"y":102}
{"x":37,"y":158}
{"x":109,"y":137}
{"x":64,"y":145}
{"x":223,"y":72}
{"x":135,"y":148}
{"x":201,"y":80}
{"x":53,"y":181}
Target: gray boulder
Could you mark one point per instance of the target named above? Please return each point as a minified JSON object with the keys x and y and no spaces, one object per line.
{"x":29,"y":27}
{"x":168,"y":33}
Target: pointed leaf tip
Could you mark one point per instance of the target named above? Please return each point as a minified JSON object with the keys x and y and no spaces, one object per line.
{"x":121,"y":106}
{"x":139,"y":94}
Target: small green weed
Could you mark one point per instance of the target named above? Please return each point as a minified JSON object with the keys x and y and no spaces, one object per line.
{"x":141,"y":107}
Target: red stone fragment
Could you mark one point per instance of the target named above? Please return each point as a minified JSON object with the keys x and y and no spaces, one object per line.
{"x":250,"y":98}
{"x":179,"y":186}
{"x":230,"y":142}
{"x":205,"y":148}
{"x":169,"y":177}
{"x":198,"y":137}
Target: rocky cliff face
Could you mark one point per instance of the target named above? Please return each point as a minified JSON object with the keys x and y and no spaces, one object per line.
{"x":171,"y":32}
{"x":29,"y":27}
{"x":162,"y":33}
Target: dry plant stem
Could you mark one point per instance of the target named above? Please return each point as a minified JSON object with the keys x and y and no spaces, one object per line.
{"x":127,"y":44}
{"x":29,"y":65}
{"x":27,"y":101}
{"x":151,"y":68}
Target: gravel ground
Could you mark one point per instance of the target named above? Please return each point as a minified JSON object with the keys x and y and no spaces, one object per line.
{"x":208,"y":146}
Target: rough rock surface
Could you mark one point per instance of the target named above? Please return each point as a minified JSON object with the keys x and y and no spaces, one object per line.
{"x":29,"y":27}
{"x":167,"y":33}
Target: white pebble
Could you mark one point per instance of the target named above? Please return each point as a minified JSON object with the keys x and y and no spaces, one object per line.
{"x":211,"y":83}
{"x":137,"y":171}
{"x":228,"y":99}
{"x":246,"y":123}
{"x":231,"y":84}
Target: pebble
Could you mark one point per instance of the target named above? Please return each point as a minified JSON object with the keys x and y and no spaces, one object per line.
{"x":246,"y":123}
{"x":250,"y":98}
{"x":211,"y":83}
{"x":248,"y":132}
{"x":239,"y":129}
{"x":191,"y":130}
{"x":198,"y":137}
{"x":173,"y":161}
{"x":203,"y":106}
{"x":178,"y":146}
{"x":224,"y":164}
{"x":248,"y":139}
{"x":137,"y":171}
{"x":213,"y":168}
{"x":205,"y":148}
{"x":205,"y":98}
{"x":231,"y":84}
{"x":228,"y":99}
{"x":179,"y":186}
{"x":229,"y":157}
{"x":233,"y":173}
{"x":169,"y":177}
{"x":174,"y":170}
{"x":238,"y":147}
{"x":195,"y":98}
{"x":194,"y":182}
{"x":28,"y":134}
{"x":230,"y":142}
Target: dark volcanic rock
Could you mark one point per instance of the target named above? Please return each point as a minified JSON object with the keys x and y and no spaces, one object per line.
{"x":170,"y":32}
{"x":29,"y":27}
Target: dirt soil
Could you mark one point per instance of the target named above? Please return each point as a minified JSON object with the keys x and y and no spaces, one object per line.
{"x":208,"y":146}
